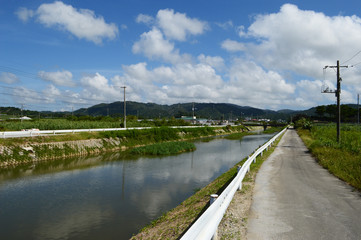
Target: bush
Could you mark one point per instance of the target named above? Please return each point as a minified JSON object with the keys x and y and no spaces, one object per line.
{"x":303,"y":123}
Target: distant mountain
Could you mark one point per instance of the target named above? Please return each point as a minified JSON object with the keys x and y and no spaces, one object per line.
{"x":201,"y":110}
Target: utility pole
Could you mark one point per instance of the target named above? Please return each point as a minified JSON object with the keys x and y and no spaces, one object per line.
{"x":338,"y":94}
{"x":193,"y":111}
{"x":22,"y":106}
{"x":358,"y":108}
{"x":125,"y":114}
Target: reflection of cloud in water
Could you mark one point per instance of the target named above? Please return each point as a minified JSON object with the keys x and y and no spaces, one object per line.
{"x":74,"y":219}
{"x":172,"y":176}
{"x":113,"y":194}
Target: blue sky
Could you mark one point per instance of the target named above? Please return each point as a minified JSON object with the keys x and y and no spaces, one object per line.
{"x":64,"y":55}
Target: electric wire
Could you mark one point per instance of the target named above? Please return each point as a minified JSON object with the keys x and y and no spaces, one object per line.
{"x":352,"y":57}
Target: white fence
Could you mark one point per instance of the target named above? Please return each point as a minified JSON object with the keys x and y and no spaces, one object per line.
{"x":206,"y":225}
{"x":36,"y":132}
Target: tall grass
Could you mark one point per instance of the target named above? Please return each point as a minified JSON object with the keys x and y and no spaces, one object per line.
{"x":343,"y":159}
{"x":166,"y":148}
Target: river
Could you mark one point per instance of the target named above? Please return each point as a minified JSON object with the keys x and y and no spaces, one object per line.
{"x":111,"y":196}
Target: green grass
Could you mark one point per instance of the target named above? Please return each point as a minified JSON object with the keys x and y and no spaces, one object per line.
{"x":166,"y":148}
{"x":341,"y":159}
{"x":60,"y":124}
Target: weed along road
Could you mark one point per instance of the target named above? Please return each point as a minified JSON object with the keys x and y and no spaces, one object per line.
{"x":295,"y":198}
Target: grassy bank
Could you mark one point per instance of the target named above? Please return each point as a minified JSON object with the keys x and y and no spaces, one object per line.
{"x":341,"y":159}
{"x":175,"y":222}
{"x":25,"y":150}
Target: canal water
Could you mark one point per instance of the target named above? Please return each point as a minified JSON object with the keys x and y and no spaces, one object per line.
{"x":111,"y":196}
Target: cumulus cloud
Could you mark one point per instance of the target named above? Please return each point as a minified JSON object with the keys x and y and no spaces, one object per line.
{"x":303,"y":41}
{"x":60,"y":78}
{"x":167,"y":27}
{"x":98,"y":87}
{"x":82,"y":23}
{"x":216,"y":62}
{"x":143,"y":18}
{"x":24,"y":14}
{"x":177,"y":25}
{"x":51,"y":94}
{"x":154,"y":46}
{"x":258,"y":87}
{"x":8,"y":78}
{"x":170,"y":84}
{"x":296,"y":44}
{"x":233,"y":46}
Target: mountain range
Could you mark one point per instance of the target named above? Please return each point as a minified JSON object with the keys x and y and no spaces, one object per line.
{"x":216,"y":111}
{"x":200,"y":110}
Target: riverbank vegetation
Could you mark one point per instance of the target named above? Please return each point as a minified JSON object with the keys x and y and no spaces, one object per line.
{"x":26,"y":150}
{"x":167,"y":148}
{"x":343,"y":159}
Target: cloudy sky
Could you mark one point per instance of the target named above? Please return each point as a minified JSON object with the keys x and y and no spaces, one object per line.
{"x":63,"y":55}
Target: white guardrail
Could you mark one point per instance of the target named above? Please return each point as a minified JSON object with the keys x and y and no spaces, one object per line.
{"x":206,"y":225}
{"x":36,"y":132}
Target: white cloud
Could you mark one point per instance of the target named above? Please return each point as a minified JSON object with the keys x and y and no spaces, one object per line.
{"x":233,"y":46}
{"x":8,"y":78}
{"x":82,"y":23}
{"x":241,"y":31}
{"x":168,"y":26}
{"x":225,"y":25}
{"x":24,"y":95}
{"x":143,"y":18}
{"x":170,"y":84}
{"x":216,"y":62}
{"x":24,"y":14}
{"x":257,"y":87}
{"x":177,"y":25}
{"x":98,"y":87}
{"x":51,"y":94}
{"x":60,"y":78}
{"x":154,"y":46}
{"x":303,"y":41}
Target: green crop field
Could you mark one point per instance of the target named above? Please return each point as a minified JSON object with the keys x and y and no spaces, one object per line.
{"x":60,"y":124}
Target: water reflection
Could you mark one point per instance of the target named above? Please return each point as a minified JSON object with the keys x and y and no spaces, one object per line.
{"x":110,"y":196}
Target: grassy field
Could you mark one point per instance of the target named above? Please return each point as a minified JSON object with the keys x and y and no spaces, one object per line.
{"x":341,"y":159}
{"x":59,"y":124}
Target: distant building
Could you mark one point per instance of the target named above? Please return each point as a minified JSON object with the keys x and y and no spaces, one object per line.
{"x":25,"y":118}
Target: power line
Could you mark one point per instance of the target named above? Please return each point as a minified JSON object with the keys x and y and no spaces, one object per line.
{"x":352,"y":57}
{"x":353,"y":65}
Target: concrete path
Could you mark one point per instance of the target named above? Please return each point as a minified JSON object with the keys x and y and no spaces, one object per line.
{"x":295,"y":198}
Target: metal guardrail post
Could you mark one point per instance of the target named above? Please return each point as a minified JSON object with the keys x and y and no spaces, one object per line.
{"x":211,"y":201}
{"x":239,"y":168}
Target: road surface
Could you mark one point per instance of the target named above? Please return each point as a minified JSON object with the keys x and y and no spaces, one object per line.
{"x":295,"y":198}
